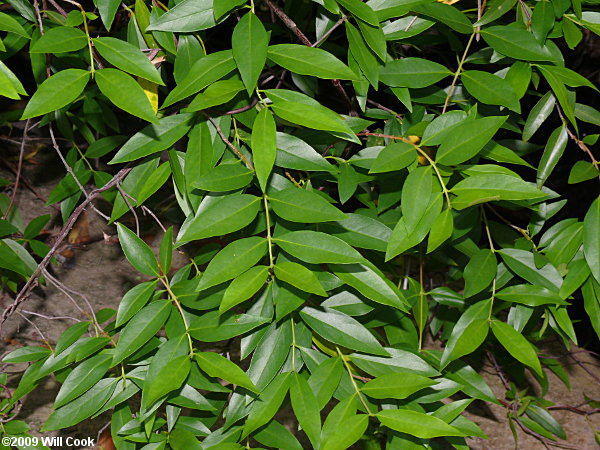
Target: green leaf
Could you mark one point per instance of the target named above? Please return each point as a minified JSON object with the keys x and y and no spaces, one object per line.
{"x":516,"y":345}
{"x":325,"y":379}
{"x":218,"y":366}
{"x":233,"y":260}
{"x":225,"y":177}
{"x":317,"y":248}
{"x":538,"y":115}
{"x":479,"y":272}
{"x":371,"y":283}
{"x":374,"y":37}
{"x":187,"y":16}
{"x":59,"y":90}
{"x":277,"y":436}
{"x":474,"y":314}
{"x":361,"y":10}
{"x":294,"y":153}
{"x":212,"y":327}
{"x":154,"y":138}
{"x":300,"y":205}
{"x":412,"y":73}
{"x":582,"y":171}
{"x":268,"y":403}
{"x":306,"y":408}
{"x":396,"y":385}
{"x":300,"y":277}
{"x":560,"y":91}
{"x":361,"y":231}
{"x":416,"y":423}
{"x":591,"y":302}
{"x":82,"y":378}
{"x":203,"y":73}
{"x":491,"y":89}
{"x":364,"y":56}
{"x":225,"y":216}
{"x":446,"y":14}
{"x":223,"y":7}
{"x":81,"y":408}
{"x":165,"y":254}
{"x":523,"y":264}
{"x":416,"y":192}
{"x":494,"y":10}
{"x":127,"y":57}
{"x":441,"y":230}
{"x":342,"y":330}
{"x":29,"y":353}
{"x":312,"y":61}
{"x":134,"y":300}
{"x":250,"y":41}
{"x":492,"y":187}
{"x":243,"y":287}
{"x":125,"y":93}
{"x":393,"y":157}
{"x":555,"y":147}
{"x":143,"y":326}
{"x":107,"y":9}
{"x":169,"y":378}
{"x":264,"y":146}
{"x":216,"y":94}
{"x":591,"y":238}
{"x":343,"y":428}
{"x":303,"y":110}
{"x":10,"y":24}
{"x":137,"y":251}
{"x":60,"y":40}
{"x":467,"y":138}
{"x":516,"y":43}
{"x":530,"y":295}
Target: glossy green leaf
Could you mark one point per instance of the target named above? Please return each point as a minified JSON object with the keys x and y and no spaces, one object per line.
{"x":491,"y":89}
{"x":264,"y":146}
{"x":416,"y":192}
{"x":591,"y":238}
{"x":12,"y":25}
{"x":523,"y":264}
{"x":396,"y":385}
{"x":243,"y":287}
{"x":58,"y":91}
{"x":218,"y":93}
{"x":140,"y":329}
{"x":224,"y":216}
{"x":312,"y":61}
{"x":416,"y":423}
{"x":300,"y":277}
{"x":225,"y":177}
{"x":204,"y":72}
{"x":250,"y":41}
{"x":127,"y":57}
{"x":233,"y":260}
{"x":218,"y":366}
{"x":125,"y":93}
{"x":467,"y":138}
{"x":186,"y":16}
{"x":516,"y":345}
{"x":516,"y":43}
{"x":137,"y":251}
{"x":300,"y":205}
{"x":530,"y":295}
{"x":538,"y":115}
{"x":413,"y":73}
{"x":60,"y":40}
{"x":441,"y":230}
{"x":82,"y":378}
{"x":134,"y":300}
{"x":306,"y":409}
{"x":325,"y":379}
{"x":555,"y":147}
{"x":342,"y":330}
{"x":267,"y":404}
{"x":394,"y":157}
{"x":317,"y":248}
{"x":169,"y":378}
{"x":212,"y":327}
{"x":479,"y":272}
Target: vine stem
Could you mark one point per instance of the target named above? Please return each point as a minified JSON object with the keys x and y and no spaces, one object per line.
{"x":167,"y":286}
{"x":362,"y":400}
{"x":422,"y":153}
{"x":457,"y":73}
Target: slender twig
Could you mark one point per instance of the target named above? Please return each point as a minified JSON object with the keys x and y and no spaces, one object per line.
{"x":43,"y":316}
{"x":125,"y":196}
{"x":33,"y":279}
{"x":36,"y":328}
{"x":331,"y":30}
{"x":145,"y":210}
{"x":457,"y":73}
{"x":19,"y":170}
{"x":58,"y":8}
{"x":229,"y":144}
{"x":70,"y":170}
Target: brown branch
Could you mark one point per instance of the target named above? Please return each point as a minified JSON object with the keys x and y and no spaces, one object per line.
{"x":33,"y":280}
{"x":229,"y":144}
{"x":331,"y":30}
{"x":19,"y":169}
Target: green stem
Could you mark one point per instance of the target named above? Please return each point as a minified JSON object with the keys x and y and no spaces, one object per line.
{"x":492,"y":302}
{"x":269,"y":238}
{"x":362,"y":400}
{"x":173,"y":297}
{"x":293,"y":346}
{"x":457,"y":73}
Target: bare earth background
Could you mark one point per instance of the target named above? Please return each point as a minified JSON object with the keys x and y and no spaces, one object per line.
{"x":98,"y":270}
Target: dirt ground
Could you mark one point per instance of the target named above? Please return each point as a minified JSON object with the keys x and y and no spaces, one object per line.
{"x":99,"y":271}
